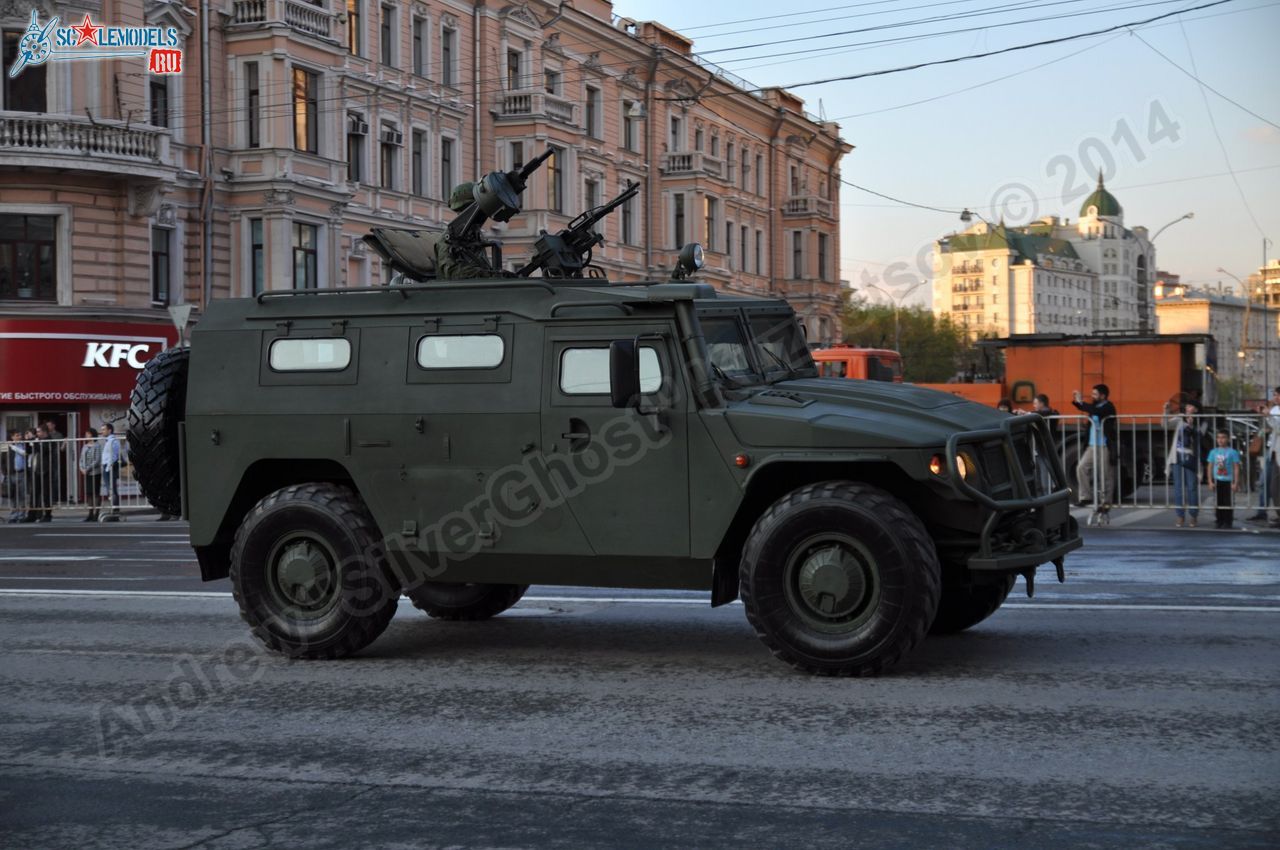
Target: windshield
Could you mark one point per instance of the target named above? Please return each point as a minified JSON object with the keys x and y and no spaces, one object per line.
{"x":783,"y":348}
{"x":779,"y":349}
{"x":728,"y":350}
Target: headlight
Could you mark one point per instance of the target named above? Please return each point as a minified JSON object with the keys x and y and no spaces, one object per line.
{"x":964,"y":463}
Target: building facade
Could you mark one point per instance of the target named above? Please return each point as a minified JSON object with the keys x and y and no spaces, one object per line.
{"x":1240,"y":328}
{"x":1051,"y":275}
{"x":294,"y":126}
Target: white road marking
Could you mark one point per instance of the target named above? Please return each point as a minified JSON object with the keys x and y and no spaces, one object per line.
{"x":654,"y":600}
{"x":44,"y":558}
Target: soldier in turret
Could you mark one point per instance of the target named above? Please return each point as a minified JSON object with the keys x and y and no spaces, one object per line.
{"x":459,"y":260}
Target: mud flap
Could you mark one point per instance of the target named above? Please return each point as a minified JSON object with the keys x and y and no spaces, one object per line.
{"x":724,"y":583}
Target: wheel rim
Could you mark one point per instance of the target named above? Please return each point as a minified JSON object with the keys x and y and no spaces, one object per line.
{"x":302,"y":577}
{"x":832,"y":582}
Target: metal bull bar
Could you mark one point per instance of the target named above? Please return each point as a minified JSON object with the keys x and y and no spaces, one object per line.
{"x":1152,"y":468}
{"x":1015,"y":472}
{"x":65,"y":478}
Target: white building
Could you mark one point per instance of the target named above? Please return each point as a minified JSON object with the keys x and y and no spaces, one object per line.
{"x":1095,"y":274}
{"x":1239,"y":328}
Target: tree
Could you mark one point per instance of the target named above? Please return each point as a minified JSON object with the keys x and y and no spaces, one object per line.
{"x":1234,"y":392}
{"x":933,"y":349}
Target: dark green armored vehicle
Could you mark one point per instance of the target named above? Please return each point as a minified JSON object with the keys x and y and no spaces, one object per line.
{"x":457,"y":441}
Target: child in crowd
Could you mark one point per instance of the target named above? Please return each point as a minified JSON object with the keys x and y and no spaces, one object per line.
{"x":1224,"y":466}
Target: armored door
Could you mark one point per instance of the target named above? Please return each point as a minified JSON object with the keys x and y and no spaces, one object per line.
{"x":623,"y":474}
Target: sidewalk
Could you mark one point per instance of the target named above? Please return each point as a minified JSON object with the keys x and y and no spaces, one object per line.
{"x":1162,"y":519}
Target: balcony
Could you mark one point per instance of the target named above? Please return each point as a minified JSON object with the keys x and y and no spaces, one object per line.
{"x":692,"y":162}
{"x":299,"y":16}
{"x":807,"y":205}
{"x":72,"y":143}
{"x":530,"y":104}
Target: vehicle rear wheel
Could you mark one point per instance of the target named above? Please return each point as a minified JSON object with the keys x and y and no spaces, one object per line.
{"x":964,"y":604}
{"x":839,"y":578}
{"x":450,"y":601}
{"x":157,"y":405}
{"x":310,"y":574}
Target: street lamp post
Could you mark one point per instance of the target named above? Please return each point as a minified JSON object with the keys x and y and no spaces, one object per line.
{"x":1266,"y":330}
{"x":897,"y":303}
{"x":1172,"y":223}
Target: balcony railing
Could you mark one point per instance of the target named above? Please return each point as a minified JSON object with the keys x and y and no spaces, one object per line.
{"x":807,"y":205}
{"x":99,"y":142}
{"x":297,"y":15}
{"x":692,"y":162}
{"x":534,"y":103}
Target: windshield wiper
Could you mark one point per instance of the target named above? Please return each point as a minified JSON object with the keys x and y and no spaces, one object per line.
{"x":791,"y":371}
{"x":724,"y":376}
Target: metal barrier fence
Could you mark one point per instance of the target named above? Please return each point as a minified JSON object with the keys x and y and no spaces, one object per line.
{"x":43,"y":478}
{"x":1162,"y":461}
{"x":66,"y":476}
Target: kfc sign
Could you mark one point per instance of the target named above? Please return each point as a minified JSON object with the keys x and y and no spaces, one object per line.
{"x":108,"y":355}
{"x":75,"y":361}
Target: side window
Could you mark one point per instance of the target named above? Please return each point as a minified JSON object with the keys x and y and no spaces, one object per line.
{"x":310,"y":355}
{"x":585,"y":371}
{"x":458,"y":351}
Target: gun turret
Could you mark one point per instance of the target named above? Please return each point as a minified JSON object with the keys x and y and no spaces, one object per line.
{"x":567,"y":253}
{"x":497,"y":197}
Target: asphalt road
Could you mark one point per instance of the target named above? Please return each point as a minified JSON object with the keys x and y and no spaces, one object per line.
{"x":1136,"y":706}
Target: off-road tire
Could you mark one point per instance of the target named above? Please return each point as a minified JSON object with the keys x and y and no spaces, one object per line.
{"x":964,"y":605}
{"x":883,"y":555}
{"x":450,"y":601}
{"x":157,"y":405}
{"x":325,"y":529}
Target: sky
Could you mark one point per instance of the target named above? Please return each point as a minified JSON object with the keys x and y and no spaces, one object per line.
{"x":1023,"y":135}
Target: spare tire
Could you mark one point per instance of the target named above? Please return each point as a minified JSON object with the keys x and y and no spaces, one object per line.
{"x":156,"y":407}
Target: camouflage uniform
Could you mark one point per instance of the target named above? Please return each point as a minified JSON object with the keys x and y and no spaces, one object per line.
{"x":460,"y":262}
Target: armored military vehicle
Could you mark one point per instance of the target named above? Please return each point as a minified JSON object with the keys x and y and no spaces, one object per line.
{"x":459,"y":440}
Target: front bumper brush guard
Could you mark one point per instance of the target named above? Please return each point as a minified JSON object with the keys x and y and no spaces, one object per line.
{"x":1050,"y":513}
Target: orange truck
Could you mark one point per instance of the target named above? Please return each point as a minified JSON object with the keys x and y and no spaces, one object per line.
{"x":1143,"y":371}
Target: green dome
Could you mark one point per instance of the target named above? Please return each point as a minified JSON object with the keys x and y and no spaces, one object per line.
{"x":1103,"y":200}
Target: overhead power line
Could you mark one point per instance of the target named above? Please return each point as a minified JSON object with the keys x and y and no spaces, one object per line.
{"x":982,"y":28}
{"x":1202,"y":83}
{"x":972,"y":56}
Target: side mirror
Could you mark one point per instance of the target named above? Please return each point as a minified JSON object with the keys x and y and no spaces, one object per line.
{"x":624,"y":373}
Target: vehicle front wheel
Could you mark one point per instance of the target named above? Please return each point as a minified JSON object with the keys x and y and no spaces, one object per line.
{"x":450,"y":601}
{"x":964,"y":604}
{"x":309,"y":572}
{"x":840,"y":578}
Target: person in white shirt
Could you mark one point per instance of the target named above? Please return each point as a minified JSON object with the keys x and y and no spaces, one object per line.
{"x":111,"y":468}
{"x":1271,"y":457}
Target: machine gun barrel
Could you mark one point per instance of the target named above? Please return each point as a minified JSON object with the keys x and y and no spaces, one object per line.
{"x":534,"y":164}
{"x":565,"y":254}
{"x":497,"y":197}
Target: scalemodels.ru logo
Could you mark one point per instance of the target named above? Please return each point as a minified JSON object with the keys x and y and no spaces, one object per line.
{"x":49,"y":42}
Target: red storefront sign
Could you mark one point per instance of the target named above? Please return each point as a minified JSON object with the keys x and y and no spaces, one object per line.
{"x":58,"y":362}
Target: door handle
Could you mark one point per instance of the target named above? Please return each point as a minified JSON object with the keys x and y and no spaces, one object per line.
{"x":578,"y":434}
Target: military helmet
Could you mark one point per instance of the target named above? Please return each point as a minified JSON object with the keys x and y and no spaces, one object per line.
{"x":463,"y":195}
